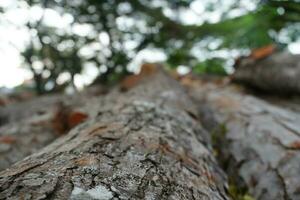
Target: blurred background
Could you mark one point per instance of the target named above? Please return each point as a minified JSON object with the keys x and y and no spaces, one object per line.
{"x":64,"y":45}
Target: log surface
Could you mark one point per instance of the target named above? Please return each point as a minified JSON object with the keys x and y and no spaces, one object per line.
{"x":258,"y":141}
{"x":142,"y":144}
{"x":277,"y":73}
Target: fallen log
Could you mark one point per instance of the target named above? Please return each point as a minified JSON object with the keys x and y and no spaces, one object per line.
{"x":276,"y":73}
{"x":257,"y":142}
{"x":142,"y":144}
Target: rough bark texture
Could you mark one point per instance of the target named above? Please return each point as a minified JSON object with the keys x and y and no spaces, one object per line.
{"x":28,"y":126}
{"x":143,"y":144}
{"x":257,"y":142}
{"x":277,"y":73}
{"x":13,"y":113}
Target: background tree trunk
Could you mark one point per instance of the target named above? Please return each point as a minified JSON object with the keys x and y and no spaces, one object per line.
{"x":277,"y":73}
{"x":257,"y":142}
{"x":142,"y":144}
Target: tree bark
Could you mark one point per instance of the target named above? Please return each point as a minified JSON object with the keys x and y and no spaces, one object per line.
{"x":257,"y":142}
{"x":31,"y":125}
{"x":277,"y":73}
{"x":142,"y":144}
{"x":16,"y":112}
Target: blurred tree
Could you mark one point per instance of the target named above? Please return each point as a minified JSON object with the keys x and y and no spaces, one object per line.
{"x":109,"y":34}
{"x":210,"y":66}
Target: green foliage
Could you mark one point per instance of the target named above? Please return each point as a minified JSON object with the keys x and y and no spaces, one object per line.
{"x":210,"y":66}
{"x":237,"y":194}
{"x":179,"y":57}
{"x":142,"y":23}
{"x":248,"y":31}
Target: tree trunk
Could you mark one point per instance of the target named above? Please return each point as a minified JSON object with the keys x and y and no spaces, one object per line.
{"x":142,"y":144}
{"x":277,"y":73}
{"x":257,"y":142}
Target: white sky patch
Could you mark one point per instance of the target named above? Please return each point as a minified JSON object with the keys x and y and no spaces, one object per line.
{"x":52,"y":18}
{"x":63,"y":77}
{"x":79,"y":81}
{"x":125,"y":22}
{"x":236,"y":13}
{"x":197,"y":13}
{"x":182,"y":69}
{"x":10,"y":74}
{"x":229,"y":66}
{"x":88,"y":75}
{"x":7,"y":3}
{"x":294,"y":47}
{"x":18,"y":16}
{"x":36,"y":13}
{"x":198,"y":7}
{"x":82,"y":29}
{"x":90,"y":72}
{"x":189,"y":17}
{"x":104,"y":38}
{"x":144,"y":56}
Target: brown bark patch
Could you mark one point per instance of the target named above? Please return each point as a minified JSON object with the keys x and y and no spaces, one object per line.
{"x":76,"y":118}
{"x":100,"y":129}
{"x":86,"y":161}
{"x":295,"y":145}
{"x":65,"y":118}
{"x":263,"y":52}
{"x":2,"y":102}
{"x":7,"y":139}
{"x":133,"y":80}
{"x":226,"y":102}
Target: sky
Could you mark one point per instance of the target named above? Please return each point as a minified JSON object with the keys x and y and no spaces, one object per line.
{"x":14,"y":36}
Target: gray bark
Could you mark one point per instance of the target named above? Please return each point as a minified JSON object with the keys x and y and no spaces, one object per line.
{"x":143,"y":144}
{"x":16,"y":112}
{"x":258,"y":142}
{"x":277,"y":73}
{"x":28,"y":126}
